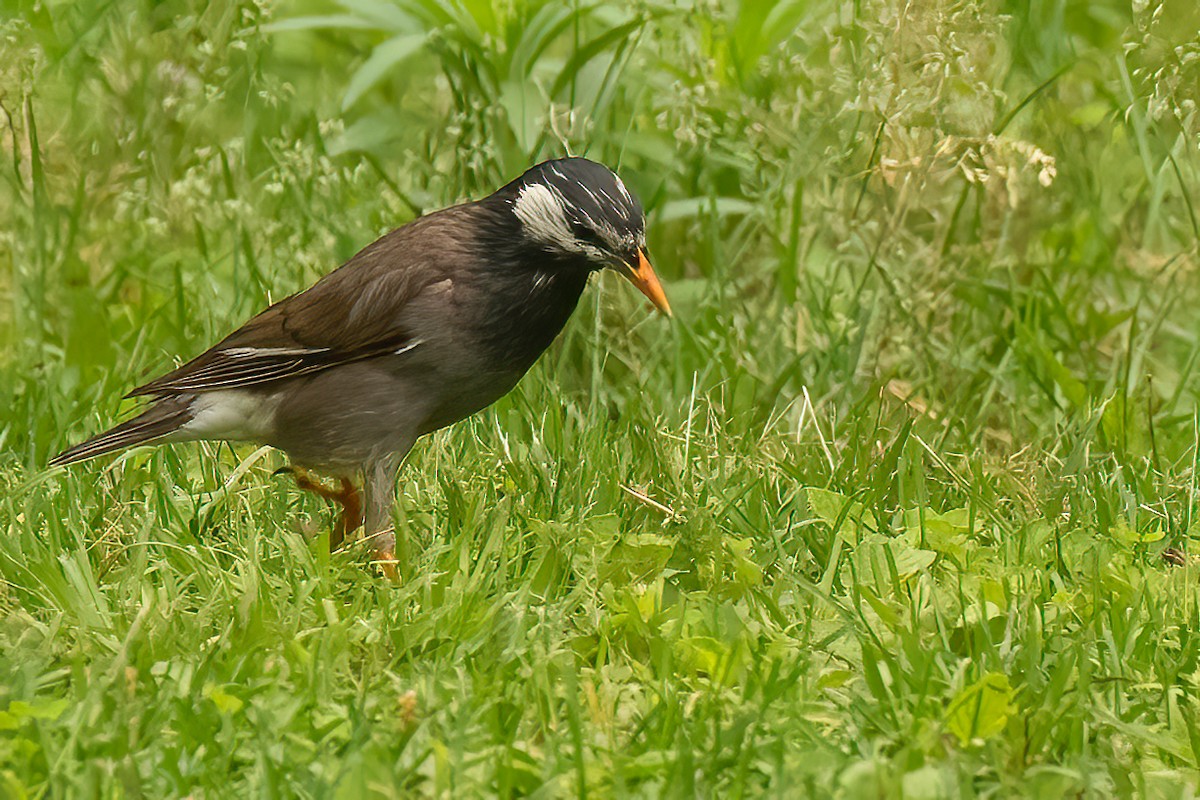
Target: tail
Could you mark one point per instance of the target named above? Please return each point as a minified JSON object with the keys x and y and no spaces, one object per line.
{"x":157,"y":422}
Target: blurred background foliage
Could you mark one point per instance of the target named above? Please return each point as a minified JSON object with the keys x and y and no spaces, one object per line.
{"x":985,"y":208}
{"x":927,"y":412}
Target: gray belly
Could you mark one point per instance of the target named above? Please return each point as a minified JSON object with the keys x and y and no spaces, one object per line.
{"x":475,"y":394}
{"x":338,"y":420}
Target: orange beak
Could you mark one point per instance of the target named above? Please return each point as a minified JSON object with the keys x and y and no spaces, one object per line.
{"x":642,"y":276}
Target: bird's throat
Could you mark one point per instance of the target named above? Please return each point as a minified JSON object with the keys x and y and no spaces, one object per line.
{"x":528,"y":307}
{"x":528,"y":293}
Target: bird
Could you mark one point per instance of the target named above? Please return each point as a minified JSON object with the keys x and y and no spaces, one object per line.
{"x":422,"y":328}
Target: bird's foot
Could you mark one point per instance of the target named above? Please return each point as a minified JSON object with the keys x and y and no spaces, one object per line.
{"x":348,"y":497}
{"x":385,"y":559}
{"x":383,"y":553}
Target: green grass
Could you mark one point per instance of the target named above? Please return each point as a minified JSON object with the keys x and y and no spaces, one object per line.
{"x":881,"y":513}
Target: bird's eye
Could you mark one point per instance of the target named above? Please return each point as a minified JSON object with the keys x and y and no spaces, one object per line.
{"x":585,"y":235}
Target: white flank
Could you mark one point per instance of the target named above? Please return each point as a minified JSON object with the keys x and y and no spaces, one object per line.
{"x":235,"y":414}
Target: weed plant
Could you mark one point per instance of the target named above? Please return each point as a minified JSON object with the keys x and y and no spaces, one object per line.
{"x":901,"y":504}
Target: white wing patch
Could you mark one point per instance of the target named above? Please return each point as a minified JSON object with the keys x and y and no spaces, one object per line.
{"x":409,"y":346}
{"x":255,"y":352}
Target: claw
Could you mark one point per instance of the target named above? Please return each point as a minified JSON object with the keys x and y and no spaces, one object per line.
{"x":385,"y":559}
{"x":348,"y":497}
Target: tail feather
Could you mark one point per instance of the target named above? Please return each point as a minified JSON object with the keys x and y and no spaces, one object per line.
{"x":160,"y":420}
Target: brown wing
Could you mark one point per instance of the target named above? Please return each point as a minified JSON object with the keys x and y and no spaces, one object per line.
{"x":353,"y":313}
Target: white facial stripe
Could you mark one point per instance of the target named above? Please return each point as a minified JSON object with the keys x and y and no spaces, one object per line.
{"x":547,"y":217}
{"x":542,"y":211}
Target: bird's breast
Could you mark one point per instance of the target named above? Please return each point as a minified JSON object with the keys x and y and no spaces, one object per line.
{"x":500,"y":329}
{"x":523,"y":313}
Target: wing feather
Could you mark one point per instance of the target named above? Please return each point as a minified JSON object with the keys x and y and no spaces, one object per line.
{"x":356,"y":312}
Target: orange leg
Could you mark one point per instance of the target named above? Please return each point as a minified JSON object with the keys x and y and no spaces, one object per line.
{"x":379,"y":485}
{"x":385,"y":559}
{"x":352,"y":514}
{"x":348,"y":497}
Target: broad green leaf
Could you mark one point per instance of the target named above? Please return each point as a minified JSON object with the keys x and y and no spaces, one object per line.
{"x":223,"y":700}
{"x":700,"y":206}
{"x":581,"y":56}
{"x":325,"y":22}
{"x":761,"y":25}
{"x":39,"y":709}
{"x":866,"y":778}
{"x":981,"y":710}
{"x":635,"y":558}
{"x":888,"y":613}
{"x":944,"y":533}
{"x":700,"y":654}
{"x":910,"y":560}
{"x":876,"y":555}
{"x":381,"y":14}
{"x":366,"y":134}
{"x":928,"y":783}
{"x":526,"y":110}
{"x":382,"y":59}
{"x":1125,"y":533}
{"x":538,"y":34}
{"x":19,"y":711}
{"x":746,"y":570}
{"x":835,"y":678}
{"x":848,"y":518}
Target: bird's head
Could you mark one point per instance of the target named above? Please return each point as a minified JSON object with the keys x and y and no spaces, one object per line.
{"x":581,"y":210}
